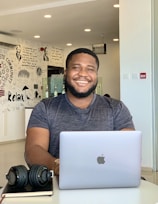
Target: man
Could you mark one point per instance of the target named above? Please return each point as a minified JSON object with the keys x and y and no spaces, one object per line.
{"x":77,"y":110}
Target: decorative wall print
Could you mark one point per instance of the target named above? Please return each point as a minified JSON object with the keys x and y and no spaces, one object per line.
{"x":56,"y":57}
{"x":45,"y":53}
{"x":53,"y":56}
{"x":6,"y":70}
{"x":35,"y":86}
{"x":15,"y":96}
{"x":23,"y":73}
{"x":2,"y":92}
{"x":29,"y":57}
{"x":18,"y":96}
{"x":37,"y":95}
{"x":24,"y":89}
{"x":22,"y":70}
{"x":39,"y":71}
{"x":18,"y":52}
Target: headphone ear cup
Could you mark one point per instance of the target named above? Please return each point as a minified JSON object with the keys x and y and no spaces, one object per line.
{"x":17,"y":176}
{"x":39,"y":176}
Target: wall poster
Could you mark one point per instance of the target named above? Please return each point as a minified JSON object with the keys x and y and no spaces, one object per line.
{"x":22,"y":70}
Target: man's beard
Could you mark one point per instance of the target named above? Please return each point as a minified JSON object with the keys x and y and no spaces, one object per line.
{"x":76,"y":93}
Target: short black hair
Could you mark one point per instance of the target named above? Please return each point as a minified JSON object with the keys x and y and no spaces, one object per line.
{"x":81,"y":50}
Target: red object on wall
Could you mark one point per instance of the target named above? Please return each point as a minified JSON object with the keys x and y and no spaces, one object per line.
{"x":41,"y":49}
{"x":142,"y":75}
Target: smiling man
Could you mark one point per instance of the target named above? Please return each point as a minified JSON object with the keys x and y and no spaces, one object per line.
{"x":81,"y":76}
{"x":79,"y":109}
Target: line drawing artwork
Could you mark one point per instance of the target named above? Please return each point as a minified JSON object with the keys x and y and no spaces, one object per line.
{"x":24,"y":74}
{"x":6,"y":72}
{"x":18,"y":52}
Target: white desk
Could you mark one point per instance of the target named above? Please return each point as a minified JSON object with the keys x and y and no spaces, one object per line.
{"x":147,"y":193}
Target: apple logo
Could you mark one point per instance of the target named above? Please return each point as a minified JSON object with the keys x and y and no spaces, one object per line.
{"x":101,"y":159}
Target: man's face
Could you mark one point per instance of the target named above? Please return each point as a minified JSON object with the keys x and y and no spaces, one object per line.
{"x":81,"y":75}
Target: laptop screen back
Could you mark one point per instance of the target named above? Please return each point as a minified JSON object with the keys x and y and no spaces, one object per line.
{"x":100,"y":159}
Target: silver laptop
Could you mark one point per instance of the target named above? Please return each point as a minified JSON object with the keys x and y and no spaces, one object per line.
{"x":100,"y":159}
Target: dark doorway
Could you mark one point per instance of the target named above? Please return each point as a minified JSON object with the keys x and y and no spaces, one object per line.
{"x":54,"y":70}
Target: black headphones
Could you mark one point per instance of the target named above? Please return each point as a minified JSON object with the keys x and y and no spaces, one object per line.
{"x":36,"y":176}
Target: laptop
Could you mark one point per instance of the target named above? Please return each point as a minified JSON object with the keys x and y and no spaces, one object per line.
{"x":100,"y":159}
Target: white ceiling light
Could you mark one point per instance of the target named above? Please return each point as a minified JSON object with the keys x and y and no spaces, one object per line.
{"x":37,"y":36}
{"x":69,"y":44}
{"x":115,"y":39}
{"x":87,"y":30}
{"x":47,"y":16}
{"x":116,"y":5}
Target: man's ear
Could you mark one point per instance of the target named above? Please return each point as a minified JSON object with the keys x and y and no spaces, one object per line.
{"x":64,"y":75}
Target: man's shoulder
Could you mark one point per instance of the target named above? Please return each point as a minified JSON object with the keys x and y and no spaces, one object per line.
{"x":108,"y":101}
{"x":53,"y":100}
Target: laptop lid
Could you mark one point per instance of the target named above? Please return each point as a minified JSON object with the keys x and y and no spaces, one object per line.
{"x":100,"y":159}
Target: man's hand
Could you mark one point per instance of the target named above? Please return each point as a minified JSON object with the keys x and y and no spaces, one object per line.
{"x":56,"y":166}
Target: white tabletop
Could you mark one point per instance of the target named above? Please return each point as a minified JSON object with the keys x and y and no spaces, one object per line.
{"x":146,"y":193}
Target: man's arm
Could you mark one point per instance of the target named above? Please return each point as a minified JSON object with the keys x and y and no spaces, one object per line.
{"x":36,"y":149}
{"x":127,"y":129}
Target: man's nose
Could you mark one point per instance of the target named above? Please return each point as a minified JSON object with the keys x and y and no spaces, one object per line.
{"x":83,"y":71}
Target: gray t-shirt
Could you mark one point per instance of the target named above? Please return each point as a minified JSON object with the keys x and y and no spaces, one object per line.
{"x":59,"y":114}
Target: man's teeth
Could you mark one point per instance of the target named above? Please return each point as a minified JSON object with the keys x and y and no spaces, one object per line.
{"x":82,"y":82}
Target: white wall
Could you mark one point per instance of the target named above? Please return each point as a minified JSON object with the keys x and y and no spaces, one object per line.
{"x":110,"y":71}
{"x":155,"y":82}
{"x":12,"y":125}
{"x":135,"y":57}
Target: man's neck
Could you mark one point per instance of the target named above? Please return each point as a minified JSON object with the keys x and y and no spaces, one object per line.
{"x":81,"y":103}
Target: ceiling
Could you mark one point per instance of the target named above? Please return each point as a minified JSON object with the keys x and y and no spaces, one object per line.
{"x":24,"y":19}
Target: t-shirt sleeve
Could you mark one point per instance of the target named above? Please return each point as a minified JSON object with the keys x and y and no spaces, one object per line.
{"x":38,"y":117}
{"x":122,"y":117}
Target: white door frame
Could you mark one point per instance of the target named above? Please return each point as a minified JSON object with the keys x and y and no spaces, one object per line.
{"x":154,"y":43}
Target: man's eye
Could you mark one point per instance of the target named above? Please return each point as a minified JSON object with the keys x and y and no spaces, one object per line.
{"x":92,"y":69}
{"x":75,"y":67}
